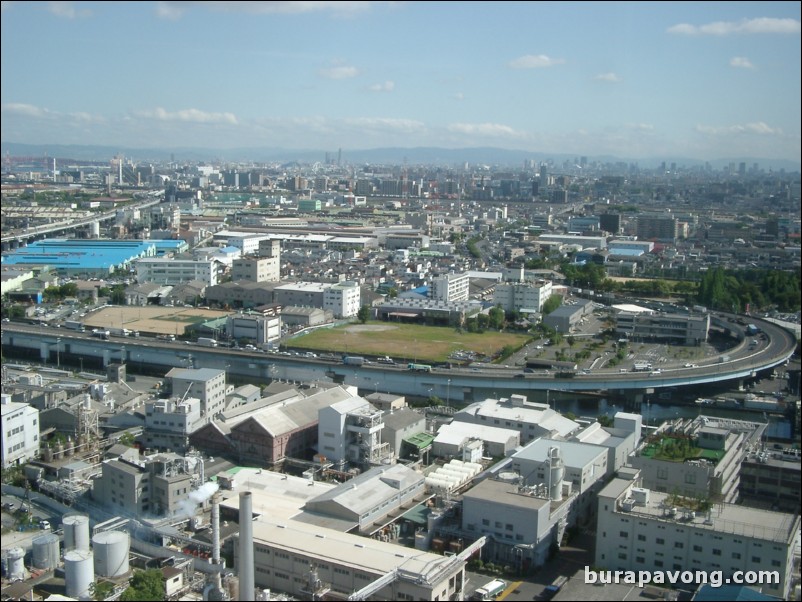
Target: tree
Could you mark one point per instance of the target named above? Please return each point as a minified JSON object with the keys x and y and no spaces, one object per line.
{"x":551,"y":304}
{"x":363,"y":314}
{"x":496,"y":317}
{"x":145,"y":585}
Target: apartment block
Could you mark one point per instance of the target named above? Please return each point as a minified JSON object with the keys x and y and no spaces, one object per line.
{"x":20,"y":432}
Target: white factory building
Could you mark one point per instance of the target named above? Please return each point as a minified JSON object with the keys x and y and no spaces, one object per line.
{"x":644,"y":530}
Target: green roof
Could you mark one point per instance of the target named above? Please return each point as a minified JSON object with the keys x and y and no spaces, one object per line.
{"x":420,"y":440}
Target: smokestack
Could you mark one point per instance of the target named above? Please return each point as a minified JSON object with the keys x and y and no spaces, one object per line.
{"x":245,"y":568}
{"x":216,"y":541}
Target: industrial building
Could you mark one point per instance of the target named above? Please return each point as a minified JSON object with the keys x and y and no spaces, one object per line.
{"x":522,"y":523}
{"x":169,"y":270}
{"x":350,"y":432}
{"x":452,"y":440}
{"x":698,"y":457}
{"x":641,"y":324}
{"x":206,"y":384}
{"x":642,"y":529}
{"x":531,"y":420}
{"x":523,"y":297}
{"x":20,"y":432}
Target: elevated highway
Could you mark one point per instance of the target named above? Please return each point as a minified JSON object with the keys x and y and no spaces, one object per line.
{"x":57,"y":345}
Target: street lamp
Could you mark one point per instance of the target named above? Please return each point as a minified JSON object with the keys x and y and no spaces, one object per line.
{"x":448,"y":394}
{"x":58,"y":353}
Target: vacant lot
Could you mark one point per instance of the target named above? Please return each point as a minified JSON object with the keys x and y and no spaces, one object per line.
{"x":405,"y":341}
{"x":152,"y":318}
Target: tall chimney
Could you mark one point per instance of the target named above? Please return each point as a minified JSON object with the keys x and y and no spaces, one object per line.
{"x":216,"y":539}
{"x":245,"y":568}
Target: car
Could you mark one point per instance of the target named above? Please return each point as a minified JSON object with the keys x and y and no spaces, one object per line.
{"x":44,"y":525}
{"x":689,"y":365}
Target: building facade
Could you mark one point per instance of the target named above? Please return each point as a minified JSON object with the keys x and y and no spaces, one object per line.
{"x":169,"y":270}
{"x":343,"y":299}
{"x":20,"y":434}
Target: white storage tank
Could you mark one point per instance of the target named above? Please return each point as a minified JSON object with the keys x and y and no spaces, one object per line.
{"x":16,"y":563}
{"x":76,"y":532}
{"x":46,"y":552}
{"x":79,"y":574}
{"x":111,"y":553}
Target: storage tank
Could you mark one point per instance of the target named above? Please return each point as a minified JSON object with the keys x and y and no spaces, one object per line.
{"x":94,"y":231}
{"x":16,"y":564}
{"x":46,"y":551}
{"x":79,"y":574}
{"x":76,"y":532}
{"x":111,"y":553}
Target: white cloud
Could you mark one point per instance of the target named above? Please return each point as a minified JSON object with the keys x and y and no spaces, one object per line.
{"x":66,"y":10}
{"x":531,"y":61}
{"x":188,"y":115}
{"x":484,"y":129}
{"x":339,"y":72}
{"x":26,"y":110}
{"x":175,"y":9}
{"x":745,"y":26}
{"x":459,"y":96}
{"x":758,"y":127}
{"x":407,"y":126}
{"x":608,"y":77}
{"x":640,"y":127}
{"x":387,"y":86}
{"x":741,"y":62}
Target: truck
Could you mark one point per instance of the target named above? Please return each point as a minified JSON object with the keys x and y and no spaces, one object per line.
{"x":490,"y":590}
{"x":73,"y":324}
{"x":642,"y":367}
{"x":207,"y":342}
{"x":119,"y":332}
{"x":752,"y":330}
{"x":353,"y":360}
{"x":551,"y":590}
{"x":419,"y":367}
{"x":101,"y":334}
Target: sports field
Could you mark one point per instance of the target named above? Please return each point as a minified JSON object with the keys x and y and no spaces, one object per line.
{"x":410,"y":342}
{"x":154,"y":319}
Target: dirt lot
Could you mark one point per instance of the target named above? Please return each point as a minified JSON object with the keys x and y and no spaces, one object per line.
{"x":152,"y":319}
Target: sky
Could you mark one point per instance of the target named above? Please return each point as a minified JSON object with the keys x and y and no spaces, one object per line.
{"x":704,"y":80}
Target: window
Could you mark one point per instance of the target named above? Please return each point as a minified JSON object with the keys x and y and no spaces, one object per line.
{"x":640,"y":559}
{"x":716,"y":552}
{"x":736,"y":555}
{"x":679,"y":544}
{"x":660,"y":541}
{"x":697,"y":548}
{"x":662,"y":473}
{"x":641,"y":538}
{"x":756,"y":559}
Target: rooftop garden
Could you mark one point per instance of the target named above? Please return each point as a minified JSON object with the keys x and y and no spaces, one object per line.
{"x":676,"y":447}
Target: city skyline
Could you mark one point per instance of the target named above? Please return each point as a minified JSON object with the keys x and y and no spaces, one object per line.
{"x":633,"y":80}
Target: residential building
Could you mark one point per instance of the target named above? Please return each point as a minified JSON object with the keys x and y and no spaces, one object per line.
{"x":660,"y":227}
{"x":519,"y":296}
{"x":256,"y":269}
{"x":20,"y":432}
{"x":450,"y":288}
{"x":646,"y":530}
{"x":343,"y":299}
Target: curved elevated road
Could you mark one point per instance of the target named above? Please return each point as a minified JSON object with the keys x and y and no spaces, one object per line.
{"x":743,"y":361}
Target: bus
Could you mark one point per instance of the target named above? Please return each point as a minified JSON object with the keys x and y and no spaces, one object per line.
{"x":419,"y":367}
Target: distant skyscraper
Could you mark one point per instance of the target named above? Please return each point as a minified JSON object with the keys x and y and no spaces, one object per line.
{"x":742,"y":168}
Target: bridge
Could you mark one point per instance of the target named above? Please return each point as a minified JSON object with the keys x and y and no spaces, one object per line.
{"x":51,"y":345}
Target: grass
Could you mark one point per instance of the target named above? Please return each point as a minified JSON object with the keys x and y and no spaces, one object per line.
{"x":410,"y":342}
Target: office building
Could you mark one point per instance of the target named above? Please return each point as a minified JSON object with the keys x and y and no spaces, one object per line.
{"x":20,"y":434}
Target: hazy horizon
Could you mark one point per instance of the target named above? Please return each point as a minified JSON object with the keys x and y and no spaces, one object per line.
{"x":702,"y":80}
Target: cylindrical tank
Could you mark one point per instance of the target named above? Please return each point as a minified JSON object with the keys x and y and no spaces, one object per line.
{"x":69,"y":448}
{"x":95,"y":230}
{"x":58,"y":451}
{"x":76,"y":532}
{"x":111,"y":553}
{"x":79,"y":574}
{"x":16,"y":563}
{"x":46,"y":551}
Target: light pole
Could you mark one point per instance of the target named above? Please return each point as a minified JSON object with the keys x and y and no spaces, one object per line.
{"x":376,"y":390}
{"x":448,"y":394}
{"x":58,"y":353}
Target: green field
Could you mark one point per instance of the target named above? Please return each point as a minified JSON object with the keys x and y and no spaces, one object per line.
{"x":409,"y":342}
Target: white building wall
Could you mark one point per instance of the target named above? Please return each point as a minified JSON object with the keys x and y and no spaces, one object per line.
{"x":163,"y":270}
{"x":343,"y":299}
{"x":20,"y":432}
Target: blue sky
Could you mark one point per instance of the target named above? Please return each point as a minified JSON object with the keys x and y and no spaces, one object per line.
{"x":703,"y":80}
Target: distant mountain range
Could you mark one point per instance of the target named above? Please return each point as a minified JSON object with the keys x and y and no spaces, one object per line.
{"x":388,"y":156}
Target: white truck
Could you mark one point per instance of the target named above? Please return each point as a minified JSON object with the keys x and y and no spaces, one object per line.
{"x":490,"y":590}
{"x":207,"y":342}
